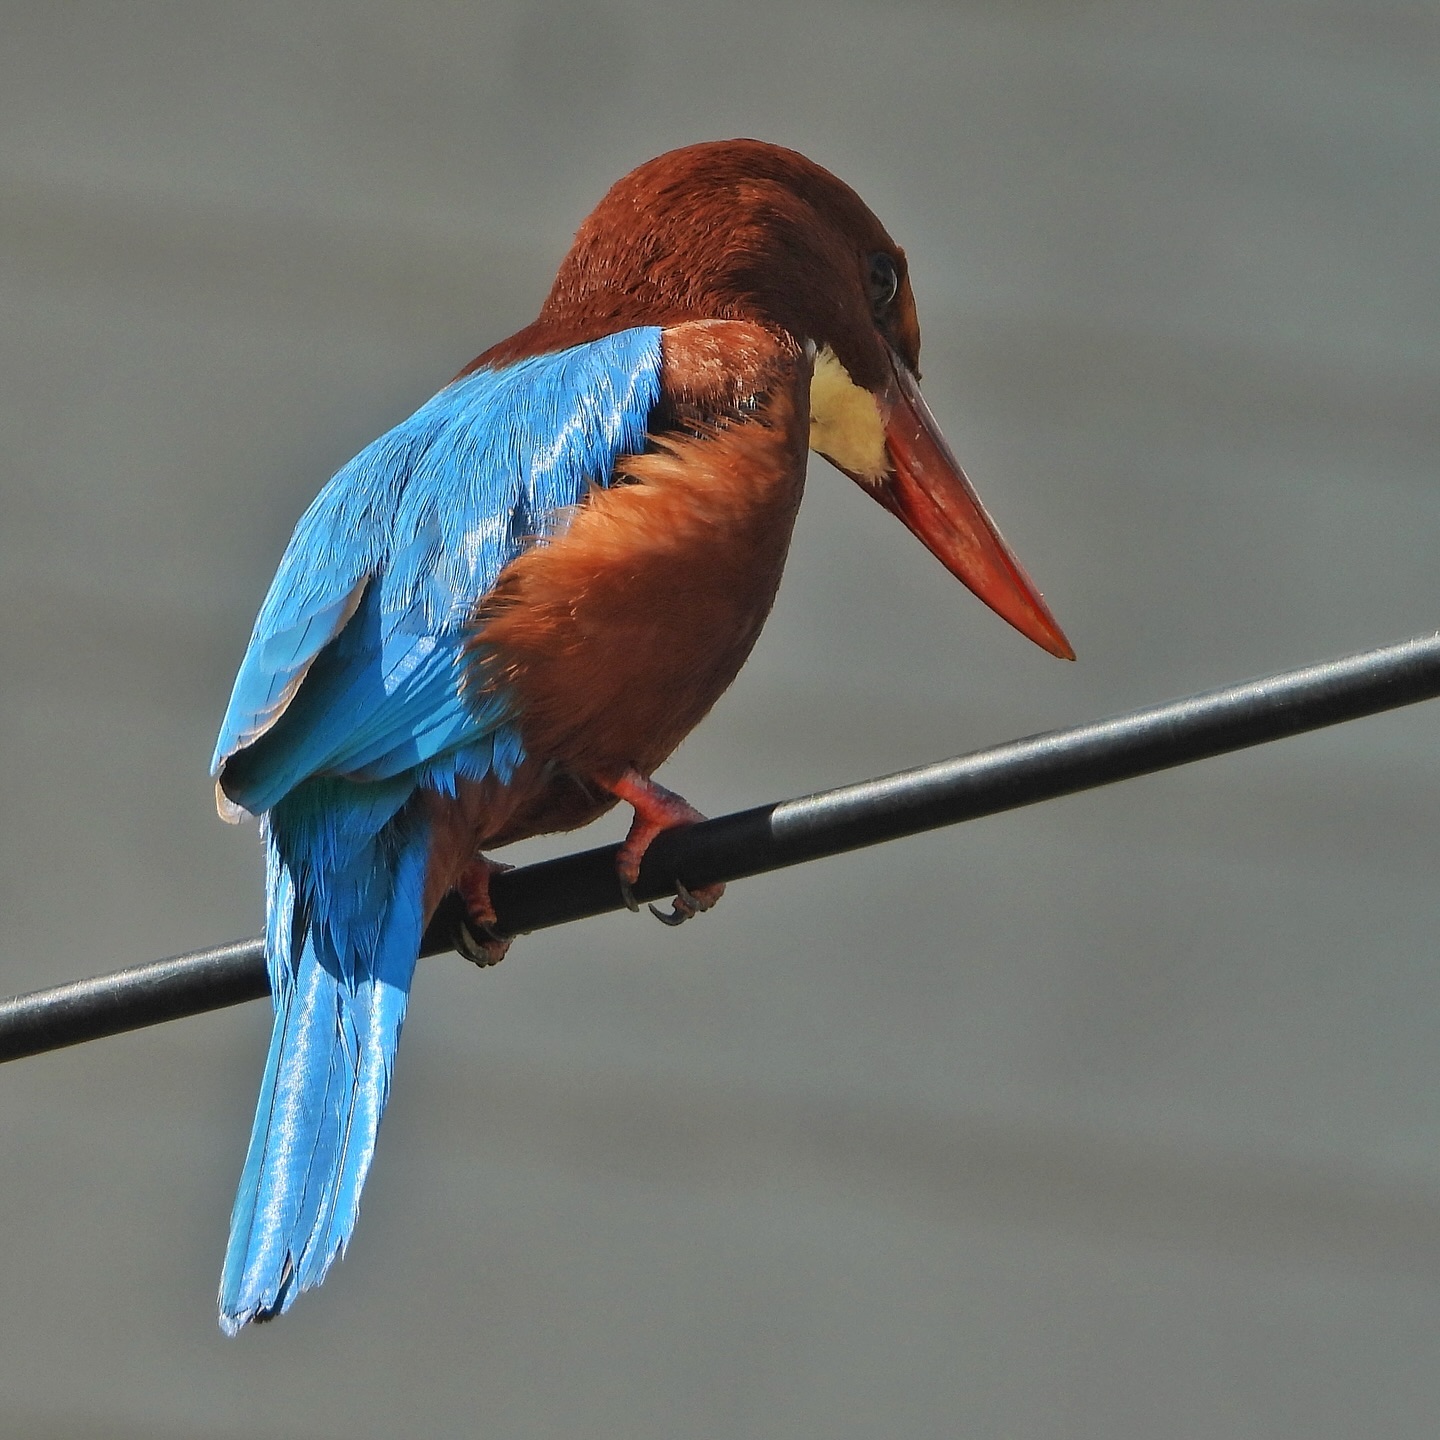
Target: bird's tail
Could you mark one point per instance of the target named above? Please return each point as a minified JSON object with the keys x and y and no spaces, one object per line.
{"x":345,"y":895}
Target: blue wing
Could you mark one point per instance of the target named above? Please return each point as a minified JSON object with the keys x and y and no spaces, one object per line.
{"x":353,"y":667}
{"x":348,"y":702}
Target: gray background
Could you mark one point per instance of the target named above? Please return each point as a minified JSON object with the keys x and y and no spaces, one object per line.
{"x":1116,"y":1118}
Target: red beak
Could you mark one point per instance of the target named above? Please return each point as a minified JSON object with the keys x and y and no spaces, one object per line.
{"x":929,"y":492}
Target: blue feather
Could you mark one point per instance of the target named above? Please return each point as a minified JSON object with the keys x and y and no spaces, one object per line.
{"x":348,"y":871}
{"x":348,"y":704}
{"x":413,"y":533}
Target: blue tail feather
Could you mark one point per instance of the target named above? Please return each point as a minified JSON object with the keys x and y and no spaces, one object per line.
{"x":346,"y":885}
{"x":355,"y":695}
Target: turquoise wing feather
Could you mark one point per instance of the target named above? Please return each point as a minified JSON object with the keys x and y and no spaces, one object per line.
{"x":347,"y":707}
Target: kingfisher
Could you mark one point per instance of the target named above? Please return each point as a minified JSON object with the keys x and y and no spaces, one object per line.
{"x":502,"y":616}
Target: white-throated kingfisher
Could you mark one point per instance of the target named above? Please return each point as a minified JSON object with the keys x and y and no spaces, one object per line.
{"x":504,"y":614}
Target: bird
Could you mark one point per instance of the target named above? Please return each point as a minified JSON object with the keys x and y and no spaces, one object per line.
{"x":503,"y":615}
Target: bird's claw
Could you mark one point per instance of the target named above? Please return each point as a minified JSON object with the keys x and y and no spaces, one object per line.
{"x":480,"y":944}
{"x":656,"y":811}
{"x":688,"y":903}
{"x":476,"y":936}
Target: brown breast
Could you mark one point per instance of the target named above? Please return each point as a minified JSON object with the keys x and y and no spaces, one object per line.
{"x":615,"y":637}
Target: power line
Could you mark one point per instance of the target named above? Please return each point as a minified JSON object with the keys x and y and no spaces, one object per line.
{"x":750,"y":842}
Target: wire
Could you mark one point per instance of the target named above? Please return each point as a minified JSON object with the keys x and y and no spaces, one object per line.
{"x":750,"y":842}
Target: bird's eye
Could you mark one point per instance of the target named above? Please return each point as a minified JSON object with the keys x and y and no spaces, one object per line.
{"x":884,"y":281}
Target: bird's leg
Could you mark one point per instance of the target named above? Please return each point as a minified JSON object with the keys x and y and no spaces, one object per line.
{"x":656,"y":809}
{"x":478,"y":939}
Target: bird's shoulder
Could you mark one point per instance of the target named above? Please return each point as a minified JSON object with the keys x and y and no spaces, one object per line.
{"x":723,"y":371}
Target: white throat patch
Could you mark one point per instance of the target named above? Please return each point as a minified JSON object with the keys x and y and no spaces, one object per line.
{"x":845,"y":421}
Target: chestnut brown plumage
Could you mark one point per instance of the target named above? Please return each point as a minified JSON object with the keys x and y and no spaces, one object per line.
{"x":728,"y":230}
{"x":616,"y":637}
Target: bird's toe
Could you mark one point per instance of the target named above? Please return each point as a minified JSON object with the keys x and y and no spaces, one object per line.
{"x":480,"y":944}
{"x":689,"y":903}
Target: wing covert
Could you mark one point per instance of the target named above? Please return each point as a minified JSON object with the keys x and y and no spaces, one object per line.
{"x":354,"y":667}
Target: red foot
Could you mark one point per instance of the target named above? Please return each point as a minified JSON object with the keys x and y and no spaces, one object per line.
{"x":478,"y":940}
{"x":656,"y":809}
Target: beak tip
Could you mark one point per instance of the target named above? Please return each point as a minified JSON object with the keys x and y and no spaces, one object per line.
{"x":1049,"y":637}
{"x":1024,"y":608}
{"x":929,"y":492}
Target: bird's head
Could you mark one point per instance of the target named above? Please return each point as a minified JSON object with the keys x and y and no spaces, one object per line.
{"x":743,"y":230}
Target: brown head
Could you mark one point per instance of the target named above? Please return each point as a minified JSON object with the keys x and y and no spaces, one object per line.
{"x":743,"y":230}
{"x":734,"y":230}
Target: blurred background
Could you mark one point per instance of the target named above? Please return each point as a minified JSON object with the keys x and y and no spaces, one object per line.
{"x":1119,"y":1117}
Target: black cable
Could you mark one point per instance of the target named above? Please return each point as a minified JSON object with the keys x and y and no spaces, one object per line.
{"x":1004,"y":777}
